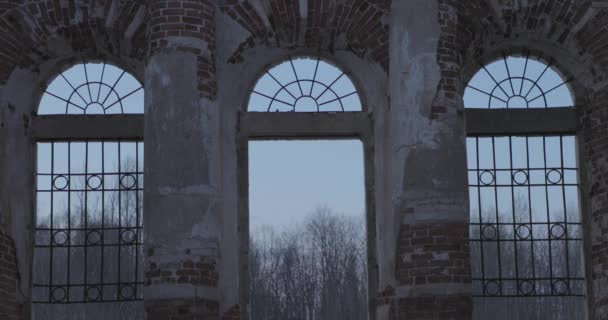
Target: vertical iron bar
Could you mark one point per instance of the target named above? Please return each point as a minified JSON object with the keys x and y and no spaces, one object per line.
{"x":481,"y":242}
{"x":500,"y":279}
{"x":69,"y":216}
{"x":515,"y":241}
{"x":548,"y":215}
{"x":102,"y":233}
{"x":530,"y":213}
{"x":85,"y":212}
{"x":137,"y":228}
{"x":118,"y":292}
{"x":51,"y":226}
{"x":566,"y":235}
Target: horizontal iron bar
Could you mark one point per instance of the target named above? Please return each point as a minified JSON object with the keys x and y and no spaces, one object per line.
{"x":482,"y":122}
{"x":85,"y":127}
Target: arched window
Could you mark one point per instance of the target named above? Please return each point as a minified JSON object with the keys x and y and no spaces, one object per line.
{"x":525,"y":230}
{"x":305,"y":98}
{"x":93,"y":88}
{"x":89,"y":189}
{"x":518,"y":82}
{"x":304,"y":85}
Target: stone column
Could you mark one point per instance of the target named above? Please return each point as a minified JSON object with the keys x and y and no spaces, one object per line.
{"x":594,"y":189}
{"x":17,"y":202}
{"x":182,"y":222}
{"x":429,"y":191}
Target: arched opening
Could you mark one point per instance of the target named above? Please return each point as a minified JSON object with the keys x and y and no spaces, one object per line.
{"x":304,"y":84}
{"x":89,"y":190}
{"x":525,"y":217}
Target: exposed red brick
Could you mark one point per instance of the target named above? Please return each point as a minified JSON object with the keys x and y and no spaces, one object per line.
{"x":191,"y":18}
{"x":197,"y":272}
{"x":10,"y":307}
{"x":434,"y":307}
{"x":28,"y":27}
{"x":360,"y":22}
{"x":433,"y":253}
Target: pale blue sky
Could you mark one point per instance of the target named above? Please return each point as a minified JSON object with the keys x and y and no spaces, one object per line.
{"x":289,"y":179}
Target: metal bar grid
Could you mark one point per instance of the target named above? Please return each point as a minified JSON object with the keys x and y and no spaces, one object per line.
{"x":89,"y":222}
{"x":526,"y":233}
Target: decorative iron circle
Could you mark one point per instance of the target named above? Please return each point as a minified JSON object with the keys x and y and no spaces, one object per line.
{"x":554,"y":176}
{"x":489,"y":232}
{"x":492,"y":288}
{"x":93,"y":293}
{"x":523,"y":232}
{"x":94,"y":237}
{"x":486,"y":178}
{"x":561,"y":287}
{"x":59,"y":294}
{"x":128,"y":236}
{"x":558,"y":231}
{"x":128,"y":181}
{"x":526,"y":287}
{"x":61,"y":182}
{"x":94,"y":182}
{"x":520,"y":177}
{"x":61,"y":238}
{"x":127,"y":292}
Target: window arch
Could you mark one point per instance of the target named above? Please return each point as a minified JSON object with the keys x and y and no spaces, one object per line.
{"x":304,"y":84}
{"x":89,"y":189}
{"x":518,"y":82}
{"x":93,"y":88}
{"x":525,"y":221}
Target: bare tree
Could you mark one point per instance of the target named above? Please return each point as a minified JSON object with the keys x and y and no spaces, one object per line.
{"x":313,"y":271}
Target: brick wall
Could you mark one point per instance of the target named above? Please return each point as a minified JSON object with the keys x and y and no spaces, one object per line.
{"x":10,"y":307}
{"x":31,"y":30}
{"x":197,"y":272}
{"x":433,"y":253}
{"x":434,"y":308}
{"x":187,"y":18}
{"x":355,"y":25}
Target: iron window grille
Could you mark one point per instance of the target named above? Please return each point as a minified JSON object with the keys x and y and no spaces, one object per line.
{"x":89,"y":188}
{"x":526,"y":233}
{"x":88,"y":238}
{"x":525,"y":229}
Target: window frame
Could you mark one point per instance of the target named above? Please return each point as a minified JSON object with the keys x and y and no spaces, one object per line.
{"x":83,"y":128}
{"x":339,"y":125}
{"x":551,"y":121}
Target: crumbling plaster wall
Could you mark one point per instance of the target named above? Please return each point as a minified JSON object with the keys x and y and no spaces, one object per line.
{"x":409,"y":60}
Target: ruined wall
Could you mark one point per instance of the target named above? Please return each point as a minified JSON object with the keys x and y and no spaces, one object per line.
{"x":199,"y":59}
